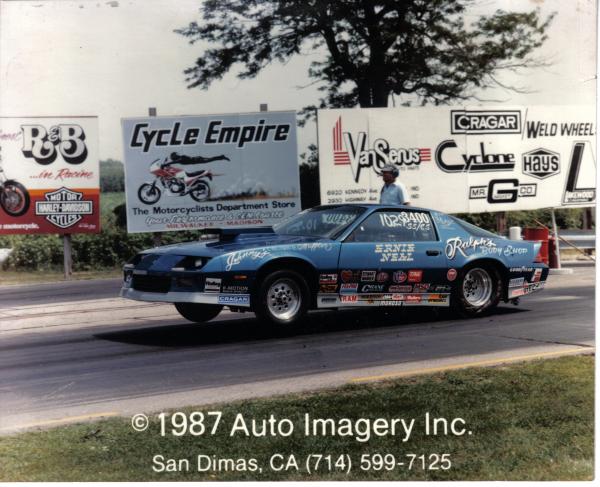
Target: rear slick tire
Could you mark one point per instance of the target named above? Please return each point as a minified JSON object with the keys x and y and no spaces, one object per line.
{"x":478,"y":291}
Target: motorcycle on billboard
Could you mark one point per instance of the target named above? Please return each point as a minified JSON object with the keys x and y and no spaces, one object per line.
{"x":177,"y":181}
{"x":14,"y":197}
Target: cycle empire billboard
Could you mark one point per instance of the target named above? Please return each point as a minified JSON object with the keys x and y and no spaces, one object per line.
{"x":194,"y":172}
{"x":49,"y":175}
{"x":462,"y":159}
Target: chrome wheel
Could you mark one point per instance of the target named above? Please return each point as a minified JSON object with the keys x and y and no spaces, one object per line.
{"x":284,"y":299}
{"x":477,"y":287}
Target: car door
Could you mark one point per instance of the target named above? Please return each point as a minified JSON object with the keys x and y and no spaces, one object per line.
{"x":394,"y":257}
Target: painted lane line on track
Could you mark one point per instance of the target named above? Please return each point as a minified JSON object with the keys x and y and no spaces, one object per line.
{"x":465,"y":365}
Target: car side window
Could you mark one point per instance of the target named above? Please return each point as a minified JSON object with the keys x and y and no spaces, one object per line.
{"x":395,"y":226}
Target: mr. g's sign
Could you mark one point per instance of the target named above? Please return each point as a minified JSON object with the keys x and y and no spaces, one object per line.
{"x":49,"y":175}
{"x":461,"y":159}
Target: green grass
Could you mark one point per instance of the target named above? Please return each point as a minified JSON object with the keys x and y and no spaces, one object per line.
{"x":530,"y":421}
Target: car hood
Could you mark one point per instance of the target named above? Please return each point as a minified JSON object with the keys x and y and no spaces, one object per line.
{"x":241,"y":242}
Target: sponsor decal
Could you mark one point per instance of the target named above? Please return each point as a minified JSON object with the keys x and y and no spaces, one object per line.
{"x":372,"y":288}
{"x":537,"y":275}
{"x":328,"y":288}
{"x":391,"y":303}
{"x":516,"y":282}
{"x":349,"y":288}
{"x":353,"y":151}
{"x":437,"y":298}
{"x":212,"y":285}
{"x":397,"y":297}
{"x":527,"y":289}
{"x":368,"y":276}
{"x":394,"y":252}
{"x":457,"y":244}
{"x":510,"y":251}
{"x":234,"y":289}
{"x":234,"y":299}
{"x":503,"y":191}
{"x":411,"y":220}
{"x":415,"y":275}
{"x":451,"y":274}
{"x":401,"y":288}
{"x":329,"y":300}
{"x":328,"y":278}
{"x":473,"y":162}
{"x":347,"y":276}
{"x":349,"y":299}
{"x":237,"y":257}
{"x":537,"y":129}
{"x":421,"y":288}
{"x":441,"y":288}
{"x":485,"y":122}
{"x":413,"y":298}
{"x":64,"y":207}
{"x":382,"y":276}
{"x":521,"y":269}
{"x":399,"y":276}
{"x":541,"y":163}
{"x":575,"y":194}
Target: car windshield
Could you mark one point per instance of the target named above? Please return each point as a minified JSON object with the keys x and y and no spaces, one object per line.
{"x":324,"y":221}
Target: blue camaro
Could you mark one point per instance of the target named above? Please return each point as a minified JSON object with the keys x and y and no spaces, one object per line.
{"x":339,"y":256}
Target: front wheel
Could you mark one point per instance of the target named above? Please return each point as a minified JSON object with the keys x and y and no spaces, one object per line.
{"x":198,"y":312}
{"x":14,"y":198}
{"x":282,"y":299}
{"x":478,"y":290}
{"x":201,"y":192}
{"x":148,"y":193}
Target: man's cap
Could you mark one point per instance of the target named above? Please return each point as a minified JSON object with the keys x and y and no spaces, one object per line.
{"x":390,"y":168}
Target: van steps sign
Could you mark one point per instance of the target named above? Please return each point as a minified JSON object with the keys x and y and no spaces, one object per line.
{"x":194,"y":172}
{"x":49,"y":175}
{"x":462,"y":159}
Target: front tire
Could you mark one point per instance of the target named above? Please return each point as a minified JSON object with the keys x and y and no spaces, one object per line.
{"x":283,"y":298}
{"x":198,"y":313}
{"x":148,"y":193}
{"x":478,"y":290}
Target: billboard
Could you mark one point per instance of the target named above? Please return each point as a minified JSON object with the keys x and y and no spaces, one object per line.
{"x":462,"y":159}
{"x":49,"y":175}
{"x":194,"y":172}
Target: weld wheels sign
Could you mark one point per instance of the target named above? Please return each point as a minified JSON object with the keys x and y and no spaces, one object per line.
{"x":49,"y":175}
{"x":461,"y":159}
{"x":186,"y":173}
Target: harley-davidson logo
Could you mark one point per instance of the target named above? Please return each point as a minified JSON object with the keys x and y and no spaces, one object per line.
{"x":64,"y":207}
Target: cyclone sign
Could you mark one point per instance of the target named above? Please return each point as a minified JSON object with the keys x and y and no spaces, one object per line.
{"x":49,"y":175}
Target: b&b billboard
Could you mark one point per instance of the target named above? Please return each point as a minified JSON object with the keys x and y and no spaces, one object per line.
{"x":462,"y":159}
{"x":49,"y":175}
{"x":194,"y":172}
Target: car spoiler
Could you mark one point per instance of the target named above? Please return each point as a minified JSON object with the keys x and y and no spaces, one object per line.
{"x":229,"y":234}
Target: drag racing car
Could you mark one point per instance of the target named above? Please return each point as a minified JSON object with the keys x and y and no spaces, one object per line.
{"x":339,"y":256}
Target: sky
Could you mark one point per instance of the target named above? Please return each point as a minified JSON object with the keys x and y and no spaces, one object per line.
{"x":115,"y":59}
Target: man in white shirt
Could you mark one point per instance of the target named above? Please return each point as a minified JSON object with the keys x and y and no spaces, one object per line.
{"x":392,"y":193}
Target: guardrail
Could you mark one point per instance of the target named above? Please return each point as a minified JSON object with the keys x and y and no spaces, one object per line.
{"x":583,"y":239}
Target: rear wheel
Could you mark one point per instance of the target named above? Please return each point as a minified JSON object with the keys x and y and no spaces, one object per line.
{"x":282,"y":299}
{"x":198,"y":312}
{"x":478,"y":290}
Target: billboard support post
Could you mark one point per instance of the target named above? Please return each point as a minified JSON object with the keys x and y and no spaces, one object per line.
{"x":67,"y":256}
{"x":156,"y":236}
{"x":555,"y":231}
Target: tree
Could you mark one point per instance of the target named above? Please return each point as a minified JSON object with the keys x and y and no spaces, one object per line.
{"x":372,"y":49}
